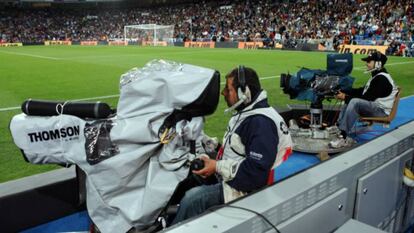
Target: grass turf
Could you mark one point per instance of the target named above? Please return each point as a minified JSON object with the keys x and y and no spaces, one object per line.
{"x":78,"y":72}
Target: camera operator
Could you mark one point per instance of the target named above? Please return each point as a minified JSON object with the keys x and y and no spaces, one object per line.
{"x":256,"y":141}
{"x":375,"y":99}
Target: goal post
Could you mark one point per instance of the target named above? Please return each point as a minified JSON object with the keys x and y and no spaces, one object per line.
{"x":149,"y":34}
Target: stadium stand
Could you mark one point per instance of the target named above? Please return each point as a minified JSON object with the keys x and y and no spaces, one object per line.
{"x":349,"y":22}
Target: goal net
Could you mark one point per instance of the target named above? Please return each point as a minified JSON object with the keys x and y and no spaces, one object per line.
{"x":149,"y":34}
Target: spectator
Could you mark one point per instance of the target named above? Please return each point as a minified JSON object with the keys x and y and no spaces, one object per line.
{"x":237,"y":20}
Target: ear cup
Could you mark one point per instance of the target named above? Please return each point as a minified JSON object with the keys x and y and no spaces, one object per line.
{"x":240,"y":93}
{"x":377,"y":64}
{"x":242,"y":90}
{"x":247,"y":95}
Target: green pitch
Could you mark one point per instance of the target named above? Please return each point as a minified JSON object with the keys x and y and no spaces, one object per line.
{"x":75,"y":72}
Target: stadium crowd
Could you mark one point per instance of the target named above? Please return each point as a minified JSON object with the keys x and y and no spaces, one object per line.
{"x":347,"y":21}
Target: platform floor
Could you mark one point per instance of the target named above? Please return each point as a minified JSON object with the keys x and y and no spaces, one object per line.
{"x":297,"y":162}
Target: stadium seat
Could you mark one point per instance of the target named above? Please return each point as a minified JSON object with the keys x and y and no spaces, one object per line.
{"x":385,"y":121}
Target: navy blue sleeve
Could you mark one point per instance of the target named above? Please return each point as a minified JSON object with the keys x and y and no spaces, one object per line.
{"x":259,"y":136}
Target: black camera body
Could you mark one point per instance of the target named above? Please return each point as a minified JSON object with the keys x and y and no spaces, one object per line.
{"x":314,"y":85}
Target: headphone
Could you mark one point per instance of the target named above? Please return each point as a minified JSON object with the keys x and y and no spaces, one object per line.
{"x":243,"y":91}
{"x":377,"y":64}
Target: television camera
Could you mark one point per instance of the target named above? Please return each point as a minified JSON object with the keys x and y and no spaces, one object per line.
{"x":317,"y":85}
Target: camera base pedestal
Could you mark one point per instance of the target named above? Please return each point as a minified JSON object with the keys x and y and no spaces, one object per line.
{"x":315,"y":140}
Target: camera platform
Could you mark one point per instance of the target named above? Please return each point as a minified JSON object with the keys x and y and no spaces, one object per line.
{"x":315,"y":141}
{"x":308,"y":137}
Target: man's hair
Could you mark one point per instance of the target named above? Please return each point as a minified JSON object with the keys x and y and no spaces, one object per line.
{"x":251,"y":80}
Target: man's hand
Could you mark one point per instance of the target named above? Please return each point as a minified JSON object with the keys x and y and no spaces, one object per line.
{"x":340,"y":95}
{"x":209,"y":167}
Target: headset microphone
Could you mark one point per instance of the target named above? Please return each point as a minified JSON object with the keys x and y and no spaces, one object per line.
{"x":377,"y":66}
{"x":237,"y":104}
{"x":370,"y":70}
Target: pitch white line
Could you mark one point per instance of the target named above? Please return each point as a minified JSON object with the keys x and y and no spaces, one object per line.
{"x":269,"y":77}
{"x":264,"y":78}
{"x":31,"y":55}
{"x":8,"y":109}
{"x":95,"y":98}
{"x":108,"y":96}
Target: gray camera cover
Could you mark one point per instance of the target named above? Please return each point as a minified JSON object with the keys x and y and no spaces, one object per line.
{"x":130,"y":173}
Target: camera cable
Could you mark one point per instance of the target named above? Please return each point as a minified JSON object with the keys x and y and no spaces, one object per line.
{"x":248,"y":210}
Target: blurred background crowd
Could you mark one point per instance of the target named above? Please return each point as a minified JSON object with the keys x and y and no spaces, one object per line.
{"x":367,"y":22}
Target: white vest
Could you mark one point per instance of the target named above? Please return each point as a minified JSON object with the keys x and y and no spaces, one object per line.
{"x":234,"y":151}
{"x":387,"y":102}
